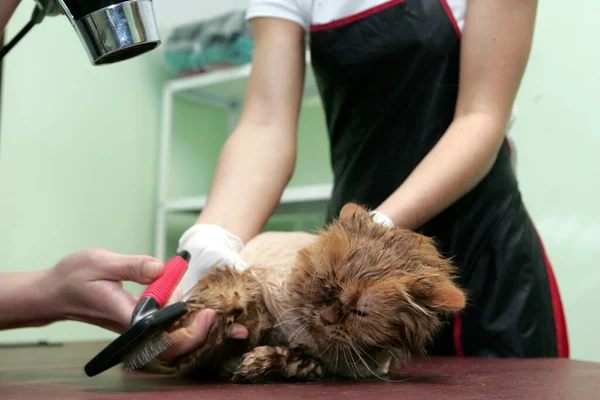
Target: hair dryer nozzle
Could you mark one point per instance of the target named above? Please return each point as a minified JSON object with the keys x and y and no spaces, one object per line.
{"x":113,"y":30}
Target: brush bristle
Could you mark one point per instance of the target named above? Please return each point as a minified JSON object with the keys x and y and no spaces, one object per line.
{"x":146,"y":352}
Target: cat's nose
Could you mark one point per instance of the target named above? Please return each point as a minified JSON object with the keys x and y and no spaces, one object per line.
{"x":329,"y":315}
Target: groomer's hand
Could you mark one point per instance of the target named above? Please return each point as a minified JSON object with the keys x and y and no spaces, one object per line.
{"x":210,"y":247}
{"x":88,"y":287}
{"x":194,"y":335}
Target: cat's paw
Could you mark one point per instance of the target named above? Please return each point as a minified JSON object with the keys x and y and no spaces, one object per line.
{"x":275,"y":363}
{"x":304,"y":368}
{"x":261,"y":363}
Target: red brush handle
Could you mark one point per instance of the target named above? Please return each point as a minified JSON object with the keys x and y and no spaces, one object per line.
{"x":162,"y":288}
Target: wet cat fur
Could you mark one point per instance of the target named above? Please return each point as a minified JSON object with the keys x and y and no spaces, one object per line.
{"x":343,"y":303}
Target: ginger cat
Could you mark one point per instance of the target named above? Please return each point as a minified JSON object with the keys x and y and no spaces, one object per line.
{"x":343,"y":303}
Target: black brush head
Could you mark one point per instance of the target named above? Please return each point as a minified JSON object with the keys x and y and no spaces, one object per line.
{"x":146,"y":328}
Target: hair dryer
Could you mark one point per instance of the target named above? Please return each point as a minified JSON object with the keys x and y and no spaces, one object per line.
{"x":109,"y":30}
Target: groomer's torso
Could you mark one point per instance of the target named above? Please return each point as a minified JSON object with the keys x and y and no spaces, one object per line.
{"x":388,"y":74}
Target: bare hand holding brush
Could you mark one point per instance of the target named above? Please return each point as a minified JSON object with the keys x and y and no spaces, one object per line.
{"x":87,"y":286}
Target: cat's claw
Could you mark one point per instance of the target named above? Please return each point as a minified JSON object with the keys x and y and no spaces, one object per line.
{"x":275,"y":363}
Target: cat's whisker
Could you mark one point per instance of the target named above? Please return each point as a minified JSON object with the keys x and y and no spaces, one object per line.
{"x":326,"y":348}
{"x":354,"y":365}
{"x":367,"y":365}
{"x":288,"y":320}
{"x":293,"y":321}
{"x":352,"y":358}
{"x":352,"y":369}
{"x":290,"y":310}
{"x":417,"y":307}
{"x":366,"y":355}
{"x":297,"y":331}
{"x":291,"y":324}
{"x":337,"y":354}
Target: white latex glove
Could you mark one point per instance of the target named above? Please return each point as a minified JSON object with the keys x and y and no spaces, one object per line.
{"x":210,"y":247}
{"x":381,"y":219}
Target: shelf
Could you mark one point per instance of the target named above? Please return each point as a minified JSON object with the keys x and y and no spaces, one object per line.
{"x":311,"y":198}
{"x":227,"y":87}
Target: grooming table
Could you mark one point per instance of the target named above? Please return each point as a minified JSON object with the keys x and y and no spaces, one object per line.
{"x":56,"y":372}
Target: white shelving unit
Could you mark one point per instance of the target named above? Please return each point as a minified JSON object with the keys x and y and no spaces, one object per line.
{"x":227,"y":89}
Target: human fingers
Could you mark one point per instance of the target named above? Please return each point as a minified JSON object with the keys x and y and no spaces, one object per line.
{"x":237,"y":331}
{"x":190,"y":337}
{"x":135,"y":268}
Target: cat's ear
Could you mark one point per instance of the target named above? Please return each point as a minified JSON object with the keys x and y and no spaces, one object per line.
{"x":351,"y":209}
{"x":437,"y":292}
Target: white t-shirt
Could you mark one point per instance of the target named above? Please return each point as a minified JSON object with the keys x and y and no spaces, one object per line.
{"x":315,"y":13}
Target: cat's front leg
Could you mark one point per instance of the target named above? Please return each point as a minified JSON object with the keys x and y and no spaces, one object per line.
{"x":266,"y":363}
{"x":236,"y":298}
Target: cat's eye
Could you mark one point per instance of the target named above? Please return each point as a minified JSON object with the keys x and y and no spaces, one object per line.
{"x":359,"y":313}
{"x":324,"y":302}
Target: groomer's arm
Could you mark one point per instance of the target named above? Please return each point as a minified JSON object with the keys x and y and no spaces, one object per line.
{"x":86,"y":286}
{"x":25,"y":300}
{"x":7,"y":7}
{"x":83,"y":286}
{"x":493,"y":60}
{"x":258,"y":160}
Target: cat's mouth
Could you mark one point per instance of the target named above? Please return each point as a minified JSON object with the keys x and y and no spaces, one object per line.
{"x":354,"y":363}
{"x":339,"y":353}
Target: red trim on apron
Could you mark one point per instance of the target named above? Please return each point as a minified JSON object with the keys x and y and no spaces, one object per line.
{"x":355,"y":17}
{"x":451,"y":17}
{"x":560,"y":325}
{"x":457,"y":331}
{"x":510,"y":150}
{"x":458,"y":348}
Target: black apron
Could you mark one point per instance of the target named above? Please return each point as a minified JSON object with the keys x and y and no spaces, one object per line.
{"x":389,"y":84}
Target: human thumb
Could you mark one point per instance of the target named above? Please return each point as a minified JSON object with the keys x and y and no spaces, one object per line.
{"x":139,"y":269}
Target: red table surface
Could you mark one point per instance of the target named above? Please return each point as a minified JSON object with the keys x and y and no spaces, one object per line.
{"x":57,"y":373}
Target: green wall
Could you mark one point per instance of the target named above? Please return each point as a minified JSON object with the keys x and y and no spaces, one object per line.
{"x":78,"y":151}
{"x":200,"y":131}
{"x":79,"y":171}
{"x":558,"y":137}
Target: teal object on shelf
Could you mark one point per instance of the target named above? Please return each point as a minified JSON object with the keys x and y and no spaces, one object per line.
{"x":223,"y":40}
{"x":239,"y":52}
